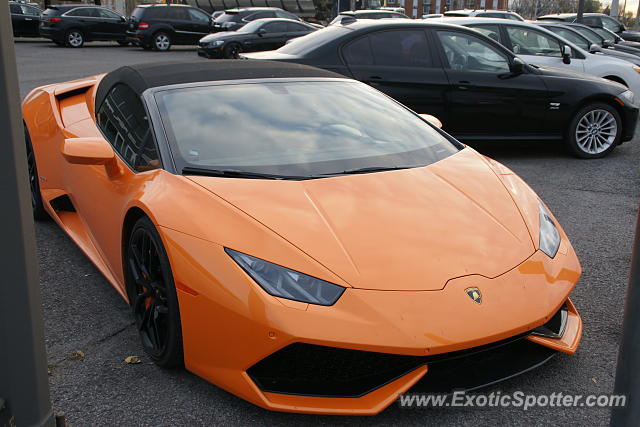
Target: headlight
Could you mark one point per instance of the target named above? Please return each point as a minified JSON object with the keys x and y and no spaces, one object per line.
{"x":216,"y":43}
{"x":549,"y":236}
{"x":636,"y":69}
{"x":282,"y":282}
{"x":627,"y":95}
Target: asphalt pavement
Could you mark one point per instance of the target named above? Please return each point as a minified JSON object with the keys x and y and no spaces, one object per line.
{"x":596,"y":202}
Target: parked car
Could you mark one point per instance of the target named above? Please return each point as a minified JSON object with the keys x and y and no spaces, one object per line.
{"x":575,"y":37}
{"x":258,"y":35}
{"x":597,"y":20}
{"x":160,"y":26}
{"x":618,"y":44}
{"x":484,"y":13}
{"x":25,"y":19}
{"x":234,"y":19}
{"x":73,"y":25}
{"x":477,"y":87}
{"x":368,"y":14}
{"x":432,"y":15}
{"x":299,"y":239}
{"x":539,"y":46}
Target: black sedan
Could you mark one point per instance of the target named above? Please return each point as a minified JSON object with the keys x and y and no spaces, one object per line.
{"x":25,"y":19}
{"x":261,"y":34}
{"x":478,"y":88}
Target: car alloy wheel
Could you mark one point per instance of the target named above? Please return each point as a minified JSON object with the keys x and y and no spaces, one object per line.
{"x":232,"y":51}
{"x":162,"y":42}
{"x":596,"y":131}
{"x":153,"y":296}
{"x":75,"y":38}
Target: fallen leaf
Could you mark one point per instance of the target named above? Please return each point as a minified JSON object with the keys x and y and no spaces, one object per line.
{"x":77,"y":354}
{"x":132,"y":360}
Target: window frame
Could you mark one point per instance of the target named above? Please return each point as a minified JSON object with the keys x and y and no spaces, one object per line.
{"x":574,"y":53}
{"x":501,"y":49}
{"x":107,"y":12}
{"x":162,"y":153}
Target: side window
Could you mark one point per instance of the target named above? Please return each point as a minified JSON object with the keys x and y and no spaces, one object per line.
{"x":491,"y":31}
{"x":276,"y":27}
{"x":571,"y":36}
{"x":31,"y":11}
{"x":15,"y":9}
{"x":358,"y":52}
{"x":530,"y":42}
{"x":513,"y":17}
{"x":199,"y":17}
{"x":591,"y":21}
{"x":490,"y":15}
{"x":400,"y":48}
{"x":124,"y":123}
{"x":259,"y":15}
{"x":285,"y":14}
{"x":292,"y":27}
{"x":470,"y":53}
{"x":178,"y":13}
{"x":81,"y":12}
{"x":105,"y":13}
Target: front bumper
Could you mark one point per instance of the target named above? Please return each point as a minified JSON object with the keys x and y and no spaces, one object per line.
{"x":235,"y":334}
{"x":630,"y":120}
{"x":211,"y":53}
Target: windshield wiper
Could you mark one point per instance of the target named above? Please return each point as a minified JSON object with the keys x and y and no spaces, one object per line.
{"x":369,"y":169}
{"x":235,"y":173}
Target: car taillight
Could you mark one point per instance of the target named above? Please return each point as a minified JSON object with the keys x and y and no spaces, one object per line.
{"x":143,"y":25}
{"x":54,"y":19}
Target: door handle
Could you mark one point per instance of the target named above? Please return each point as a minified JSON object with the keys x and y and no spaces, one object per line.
{"x":462,"y":84}
{"x":375,"y":78}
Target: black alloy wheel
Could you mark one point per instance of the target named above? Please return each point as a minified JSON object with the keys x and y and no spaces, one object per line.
{"x":153,"y":296}
{"x":39,"y":213}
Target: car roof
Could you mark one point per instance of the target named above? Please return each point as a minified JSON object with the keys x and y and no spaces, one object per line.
{"x":145,"y":76}
{"x":69,"y":6}
{"x":164,"y":5}
{"x":363,"y":11}
{"x":250,"y":9}
{"x":356,"y":24}
{"x":463,"y":20}
{"x":281,"y":19}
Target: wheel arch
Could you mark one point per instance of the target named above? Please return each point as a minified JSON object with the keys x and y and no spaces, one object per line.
{"x":604,"y":98}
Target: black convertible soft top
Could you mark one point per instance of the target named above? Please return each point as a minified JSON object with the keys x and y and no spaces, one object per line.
{"x":144,"y":76}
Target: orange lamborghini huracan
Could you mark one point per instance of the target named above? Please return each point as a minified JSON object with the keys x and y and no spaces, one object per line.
{"x":300,"y":239}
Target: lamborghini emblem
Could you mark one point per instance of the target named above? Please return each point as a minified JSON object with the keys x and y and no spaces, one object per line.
{"x":474,"y":294}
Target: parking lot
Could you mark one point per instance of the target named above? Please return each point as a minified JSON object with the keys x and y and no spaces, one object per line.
{"x":596,"y":202}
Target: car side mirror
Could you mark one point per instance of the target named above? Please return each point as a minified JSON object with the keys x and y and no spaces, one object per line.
{"x":123,"y":19}
{"x":432,"y":119}
{"x":566,"y":54}
{"x":517,"y":66}
{"x":594,"y":48}
{"x":607,"y":43}
{"x":87,"y":151}
{"x":262,"y":32}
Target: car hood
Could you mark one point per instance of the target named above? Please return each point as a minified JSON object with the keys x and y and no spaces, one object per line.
{"x":269,"y":54}
{"x":225,"y":35}
{"x":411,"y":229}
{"x":558,"y":72}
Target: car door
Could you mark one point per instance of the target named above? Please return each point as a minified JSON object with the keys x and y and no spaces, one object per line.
{"x":179,"y":19}
{"x":100,"y":193}
{"x":86,"y":19}
{"x":17,"y":20}
{"x":539,"y":48}
{"x":484,"y":97}
{"x":112,"y":26}
{"x":31,"y":16}
{"x":201,"y":24}
{"x":401,"y":63}
{"x":271,"y":36}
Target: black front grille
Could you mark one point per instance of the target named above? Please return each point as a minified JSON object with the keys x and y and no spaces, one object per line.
{"x":314,"y":370}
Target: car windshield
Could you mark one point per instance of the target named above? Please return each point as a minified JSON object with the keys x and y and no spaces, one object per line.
{"x":295,"y":129}
{"x":228,"y":17}
{"x":315,"y":40}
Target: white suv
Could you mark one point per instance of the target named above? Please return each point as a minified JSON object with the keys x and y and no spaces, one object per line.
{"x":538,"y":46}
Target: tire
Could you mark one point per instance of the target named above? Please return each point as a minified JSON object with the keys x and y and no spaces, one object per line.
{"x":74,"y":38}
{"x":152,"y":294}
{"x":39,"y":213}
{"x":232,"y":50}
{"x":594,"y":131}
{"x":161,"y":42}
{"x":123,"y":43}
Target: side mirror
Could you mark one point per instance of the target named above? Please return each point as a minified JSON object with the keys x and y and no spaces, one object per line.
{"x":87,"y":151}
{"x":566,"y":54}
{"x":432,"y":119}
{"x":607,"y":43}
{"x":517,"y":66}
{"x":594,"y":48}
{"x":123,"y":19}
{"x":262,"y":32}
